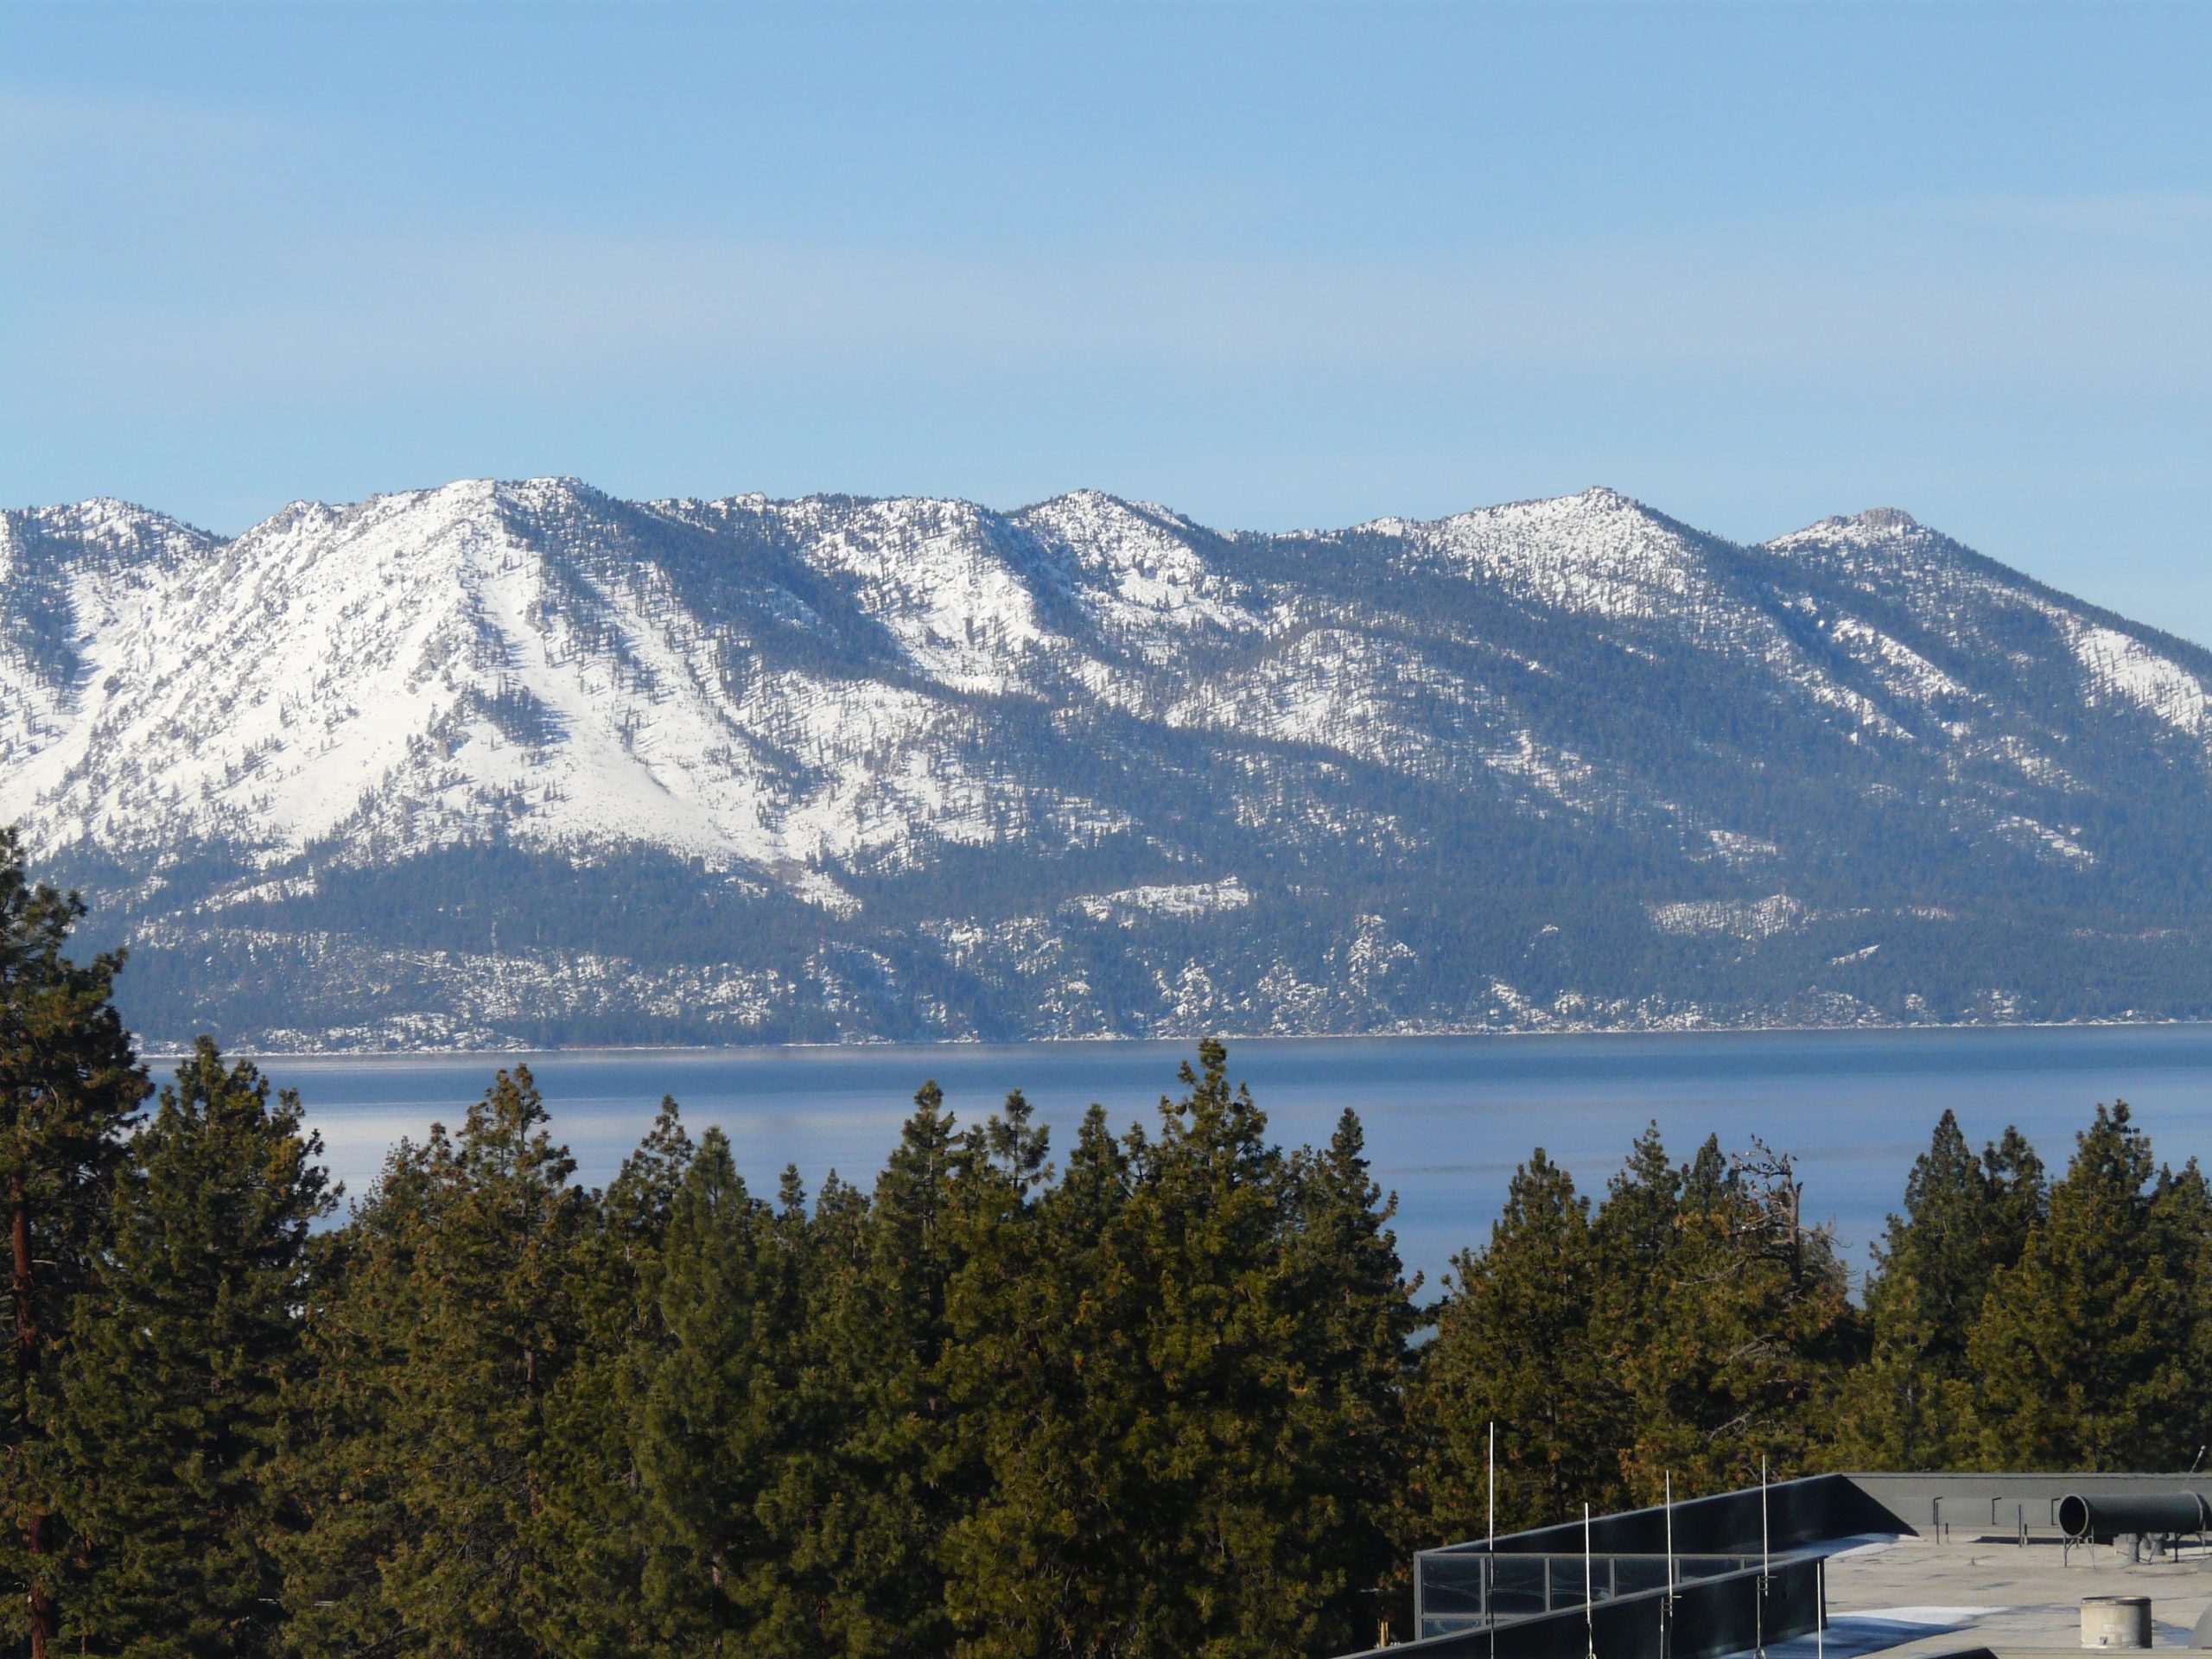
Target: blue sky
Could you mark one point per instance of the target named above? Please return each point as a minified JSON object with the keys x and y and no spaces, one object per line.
{"x":1273,"y":265}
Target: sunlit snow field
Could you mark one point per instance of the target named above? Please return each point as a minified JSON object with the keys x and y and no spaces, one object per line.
{"x":1446,"y":1118}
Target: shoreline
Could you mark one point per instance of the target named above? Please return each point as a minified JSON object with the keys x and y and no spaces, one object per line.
{"x":820,"y":1050}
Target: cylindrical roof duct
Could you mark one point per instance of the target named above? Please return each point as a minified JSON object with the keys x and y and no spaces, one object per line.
{"x":2101,"y":1520}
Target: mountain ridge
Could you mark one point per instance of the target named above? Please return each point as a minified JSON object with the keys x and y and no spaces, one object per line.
{"x":520,"y":762}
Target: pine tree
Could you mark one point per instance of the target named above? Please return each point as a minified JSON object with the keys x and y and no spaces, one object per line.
{"x":1182,"y":1362}
{"x":592,"y":1527}
{"x":2083,"y":1348}
{"x":1224,"y":1564}
{"x":1755,"y":1333}
{"x":447,"y":1326}
{"x":878,"y":1515}
{"x":69,"y":1082}
{"x":1515,"y":1345}
{"x":1046,"y":1370}
{"x":1359,"y":1318}
{"x":788,"y":1600}
{"x":1965,"y":1220}
{"x":1640,"y":1241}
{"x":719,"y":1420}
{"x":1709,"y":1181}
{"x":1638,"y":1225}
{"x":2020,"y":1190}
{"x":169,"y":1431}
{"x":814,"y":1506}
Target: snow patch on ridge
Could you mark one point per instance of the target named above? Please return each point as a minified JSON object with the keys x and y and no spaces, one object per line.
{"x":1132,"y":904}
{"x":1743,"y":918}
{"x":1144,"y":573}
{"x":2120,"y":665}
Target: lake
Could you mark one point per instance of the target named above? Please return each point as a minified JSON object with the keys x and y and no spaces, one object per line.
{"x":1447,"y":1118}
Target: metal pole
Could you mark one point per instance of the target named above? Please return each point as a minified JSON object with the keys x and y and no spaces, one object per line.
{"x":1489,"y":1537}
{"x":1666,"y":1607}
{"x":1820,"y":1608}
{"x":1589,"y":1602}
{"x":1763,"y":1561}
{"x":1763,"y":1550}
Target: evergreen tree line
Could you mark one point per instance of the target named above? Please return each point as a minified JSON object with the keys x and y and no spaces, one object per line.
{"x":1691,"y":1323}
{"x":1170,"y":1394}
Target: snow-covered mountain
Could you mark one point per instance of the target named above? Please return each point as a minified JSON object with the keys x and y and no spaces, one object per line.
{"x":508,"y":763}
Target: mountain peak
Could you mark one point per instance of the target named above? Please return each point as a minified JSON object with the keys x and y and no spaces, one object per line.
{"x":1876,"y":530}
{"x":1607,"y":499}
{"x":1885,"y":518}
{"x":562,"y":487}
{"x":117,"y":529}
{"x":1093,"y":506}
{"x":1088,"y":516}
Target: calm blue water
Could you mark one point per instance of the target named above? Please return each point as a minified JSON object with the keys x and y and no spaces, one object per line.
{"x":1446,"y":1118}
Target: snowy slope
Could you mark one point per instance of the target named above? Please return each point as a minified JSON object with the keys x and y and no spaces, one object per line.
{"x":523,"y":761}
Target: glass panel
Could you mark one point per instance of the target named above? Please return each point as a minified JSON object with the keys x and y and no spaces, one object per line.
{"x":1633,"y":1575}
{"x":1453,"y":1581}
{"x":1520,"y":1589}
{"x":1567,"y":1580}
{"x":1451,"y":1586}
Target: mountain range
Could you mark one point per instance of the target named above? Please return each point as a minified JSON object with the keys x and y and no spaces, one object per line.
{"x":523,"y":764}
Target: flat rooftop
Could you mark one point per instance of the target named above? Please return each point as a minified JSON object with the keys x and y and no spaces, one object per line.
{"x":1909,"y":1597}
{"x":1907,"y":1565}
